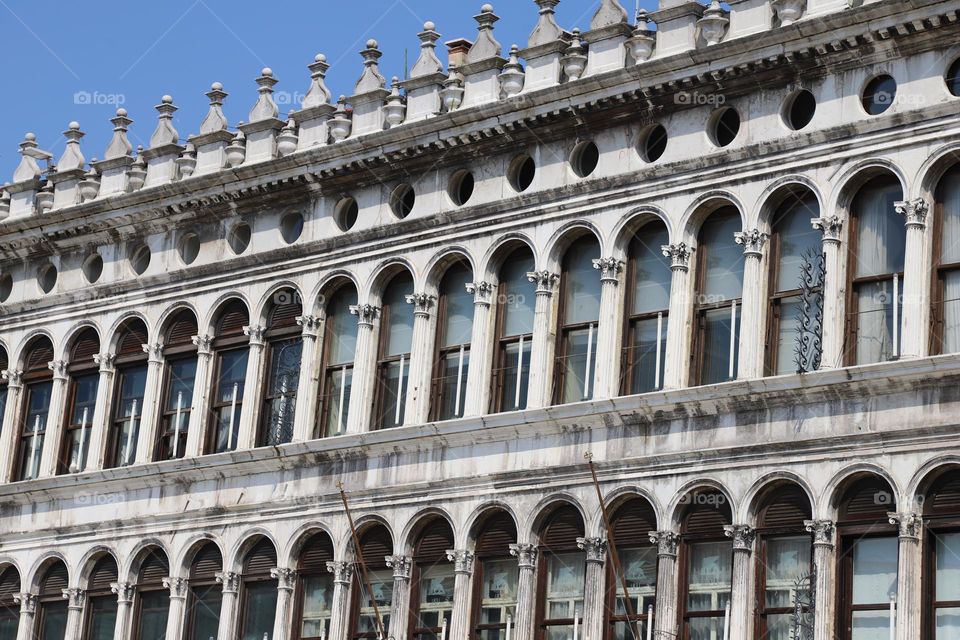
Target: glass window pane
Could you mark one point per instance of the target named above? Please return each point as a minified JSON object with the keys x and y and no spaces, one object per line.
{"x":284,"y":377}
{"x":381,"y":585}
{"x":453,"y":382}
{"x":788,"y":560}
{"x":948,"y":567}
{"x":103,"y":617}
{"x":780,"y":627}
{"x":341,"y":328}
{"x":459,"y":307}
{"x":317,"y":605}
{"x":436,"y":596}
{"x":710,"y":569}
{"x":154,"y":611}
{"x":399,"y":330}
{"x":950,"y":201}
{"x":723,"y":277}
{"x":183,"y":374}
{"x":647,"y":335}
{"x":205,"y":612}
{"x":651,"y":291}
{"x":233,"y":373}
{"x":874,"y":570}
{"x":517,"y":295}
{"x":499,"y":587}
{"x":579,"y":364}
{"x":797,"y":237}
{"x":581,"y":302}
{"x":875,"y":321}
{"x":717,"y":335}
{"x":565,"y":583}
{"x":951,"y":312}
{"x":10,"y":621}
{"x":881,"y":234}
{"x":870,"y":625}
{"x":948,"y":624}
{"x":53,"y":624}
{"x":259,"y":609}
{"x":516,"y":375}
{"x":85,"y":397}
{"x":336,"y":399}
{"x":393,"y":392}
{"x":705,"y":628}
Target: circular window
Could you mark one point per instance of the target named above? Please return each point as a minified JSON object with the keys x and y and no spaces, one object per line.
{"x":239,"y":238}
{"x":93,"y":267}
{"x":879,"y":95}
{"x":402,"y":200}
{"x":799,"y":109}
{"x":291,"y":227}
{"x":521,"y":173}
{"x":347,"y":213}
{"x":953,"y":78}
{"x":585,"y":158}
{"x":653,"y":143}
{"x":6,"y":287}
{"x":140,"y":259}
{"x":461,"y":187}
{"x":724,"y":126}
{"x":47,"y":277}
{"x":189,"y":247}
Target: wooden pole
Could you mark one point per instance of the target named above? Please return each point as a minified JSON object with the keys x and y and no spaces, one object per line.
{"x":363,"y":564}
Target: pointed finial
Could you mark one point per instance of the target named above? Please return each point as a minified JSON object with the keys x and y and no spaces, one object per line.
{"x":547,"y":29}
{"x":486,"y":45}
{"x":72,"y":157}
{"x":318,"y":93}
{"x":610,"y":12}
{"x":371,"y":79}
{"x":395,"y":109}
{"x":428,"y":63}
{"x":29,"y":169}
{"x":165,"y":133}
{"x":265,"y":108}
{"x":119,"y":145}
{"x":214,"y":120}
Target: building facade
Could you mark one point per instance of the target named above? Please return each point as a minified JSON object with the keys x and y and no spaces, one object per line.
{"x":716,"y":248}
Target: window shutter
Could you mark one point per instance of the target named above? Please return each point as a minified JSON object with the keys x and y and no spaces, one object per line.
{"x":233,"y":319}
{"x":39,"y":356}
{"x":434,"y":541}
{"x":944,"y":499}
{"x":707,"y":515}
{"x":85,"y":347}
{"x":207,"y":563}
{"x":562,"y":529}
{"x":260,"y":559}
{"x":104,"y":572}
{"x":632,"y":522}
{"x":376,"y":544}
{"x":786,"y":508}
{"x":499,"y":532}
{"x":869,"y":499}
{"x":134,"y":336}
{"x":182,"y":329}
{"x":285,"y":315}
{"x":4,"y":360}
{"x":154,"y":568}
{"x":316,"y":553}
{"x":9,"y":585}
{"x":54,"y":580}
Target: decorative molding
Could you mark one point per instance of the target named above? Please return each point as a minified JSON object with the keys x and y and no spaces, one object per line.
{"x":230,"y":581}
{"x":752,"y":241}
{"x":666,"y":541}
{"x":830,"y":227}
{"x":401,"y":566}
{"x":679,"y":255}
{"x":124,"y":591}
{"x":743,"y":536}
{"x":422,"y":303}
{"x":915,"y":211}
{"x":286,"y":578}
{"x":204,"y":344}
{"x":462,"y":560}
{"x":609,"y":268}
{"x":178,"y":587}
{"x":255,"y":333}
{"x":910,"y":525}
{"x":105,"y":362}
{"x":75,"y":598}
{"x":482,"y":292}
{"x":596,"y":548}
{"x":546,"y":281}
{"x":366,"y":314}
{"x":154,"y":352}
{"x":310,"y":325}
{"x":59,"y":368}
{"x":526,"y":555}
{"x":822,"y":531}
{"x":27,"y":602}
{"x":342,"y":571}
{"x":14,"y":378}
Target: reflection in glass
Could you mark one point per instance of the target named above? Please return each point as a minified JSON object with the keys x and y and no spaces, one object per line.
{"x":516,"y":302}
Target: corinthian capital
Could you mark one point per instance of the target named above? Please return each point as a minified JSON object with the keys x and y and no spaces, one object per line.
{"x":609,"y":269}
{"x":822,"y":531}
{"x":401,"y":566}
{"x":596,"y":548}
{"x":105,"y":362}
{"x":310,"y":325}
{"x":546,"y":281}
{"x":366,"y":314}
{"x":482,"y":292}
{"x":177,"y":586}
{"x":422,"y":303}
{"x":230,"y":581}
{"x":915,"y":212}
{"x":75,"y":598}
{"x":27,"y":602}
{"x":59,"y":368}
{"x":255,"y":333}
{"x":124,"y":591}
{"x":679,"y":255}
{"x":742,"y":535}
{"x":526,"y":555}
{"x":342,"y":571}
{"x":666,"y":541}
{"x":462,"y":560}
{"x":909,"y":524}
{"x":286,"y":578}
{"x":14,"y":378}
{"x":752,"y":242}
{"x":204,"y":344}
{"x":154,"y":352}
{"x":830,"y":227}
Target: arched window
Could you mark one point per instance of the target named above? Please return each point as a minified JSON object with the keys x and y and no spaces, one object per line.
{"x":259,"y":592}
{"x":339,"y":352}
{"x":648,"y":303}
{"x":231,"y":348}
{"x":516,"y":301}
{"x":34,"y":418}
{"x":101,"y":618}
{"x":129,"y":388}
{"x":495,"y":578}
{"x":5,"y":363}
{"x":51,"y":616}
{"x":393,"y":363}
{"x":706,"y":556}
{"x":180,"y":374}
{"x":717,"y":303}
{"x":877,"y":245}
{"x":284,"y":351}
{"x":81,"y":401}
{"x":375,"y":545}
{"x":869,"y":551}
{"x":205,"y":596}
{"x":431,"y":602}
{"x":151,"y":604}
{"x":579,"y":315}
{"x":561,"y":572}
{"x":941,"y":509}
{"x":946,"y":253}
{"x":632,"y":523}
{"x":454,"y":334}
{"x":314,"y":594}
{"x":796,"y":265}
{"x":784,"y":559}
{"x":9,"y":609}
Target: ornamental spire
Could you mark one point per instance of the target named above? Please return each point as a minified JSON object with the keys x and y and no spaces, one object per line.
{"x":165,"y":133}
{"x":72,"y":157}
{"x":428,"y":63}
{"x":318,"y":93}
{"x":371,"y":79}
{"x":215,"y":120}
{"x":486,"y":45}
{"x":265,"y":108}
{"x":119,"y":146}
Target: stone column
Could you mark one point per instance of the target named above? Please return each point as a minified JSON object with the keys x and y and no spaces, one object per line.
{"x":28,"y":614}
{"x":909,"y":586}
{"x":834,"y":292}
{"x":50,"y":455}
{"x":75,"y":600}
{"x":250,"y":411}
{"x":526,"y":555}
{"x":202,"y":388}
{"x":915,"y":288}
{"x":100,"y":425}
{"x":364,"y":369}
{"x":751,"y":310}
{"x":609,"y":331}
{"x":286,"y":581}
{"x":308,"y":389}
{"x":544,"y":340}
{"x":665,"y":623}
{"x":8,"y":435}
{"x":400,"y":611}
{"x":228,"y":607}
{"x":824,"y":563}
{"x":676,"y":371}
{"x":124,"y":591}
{"x":741,"y":591}
{"x":480,"y":372}
{"x":463,"y":570}
{"x":178,"y":607}
{"x":594,"y":587}
{"x":150,"y":412}
{"x":421,"y":358}
{"x":340,"y":605}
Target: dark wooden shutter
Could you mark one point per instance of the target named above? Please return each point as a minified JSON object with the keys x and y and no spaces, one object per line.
{"x":260,"y":559}
{"x":54,"y":580}
{"x":869,"y":499}
{"x":4,"y":360}
{"x":785,"y":508}
{"x":207,"y":563}
{"x":434,"y":541}
{"x":133,"y":337}
{"x":85,"y":347}
{"x":154,"y":568}
{"x":707,"y":515}
{"x":562,"y":529}
{"x":376,"y":544}
{"x":104,"y":572}
{"x":182,"y":329}
{"x":944,"y":499}
{"x":498,"y":533}
{"x":39,"y":355}
{"x":632,"y":523}
{"x":316,"y":553}
{"x":9,"y":584}
{"x":286,"y":311}
{"x":233,"y":319}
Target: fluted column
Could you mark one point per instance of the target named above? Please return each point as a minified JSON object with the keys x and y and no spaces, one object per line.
{"x":915,"y":322}
{"x":340,"y":605}
{"x":399,"y":612}
{"x":824,"y":564}
{"x":178,"y":607}
{"x":526,"y":555}
{"x":28,"y":614}
{"x":609,"y":330}
{"x":676,"y":372}
{"x":421,"y":358}
{"x":665,"y":621}
{"x":100,"y":425}
{"x":150,"y":414}
{"x":594,"y":586}
{"x":741,"y":591}
{"x":833,"y":292}
{"x":228,"y":606}
{"x":286,"y":581}
{"x":909,"y":587}
{"x":751,"y":307}
{"x":49,"y":456}
{"x":462,"y":560}
{"x":364,"y":371}
{"x":249,"y":412}
{"x":479,"y":374}
{"x":544,"y":340}
{"x":9,"y":427}
{"x":124,"y":591}
{"x":202,"y":388}
{"x":308,"y":389}
{"x":75,"y":600}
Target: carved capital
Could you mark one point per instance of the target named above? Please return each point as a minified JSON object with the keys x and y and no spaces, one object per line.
{"x":154,"y":352}
{"x":546,"y":281}
{"x":401,"y":566}
{"x":105,"y":362}
{"x":310,"y":326}
{"x":255,"y":333}
{"x":742,"y":535}
{"x":596,"y":548}
{"x":27,"y":602}
{"x":679,"y":255}
{"x":752,"y":242}
{"x":482,"y":292}
{"x":203,"y":344}
{"x":830,"y":227}
{"x":14,"y":378}
{"x":666,"y":541}
{"x":609,"y":269}
{"x":822,"y":531}
{"x":915,"y":211}
{"x":59,"y":368}
{"x":422,"y":303}
{"x":366,"y":314}
{"x":75,"y":598}
{"x":342,"y":571}
{"x":230,"y":581}
{"x":124,"y":591}
{"x":910,"y":525}
{"x":178,"y":587}
{"x":526,"y":555}
{"x":286,"y":578}
{"x":462,"y":560}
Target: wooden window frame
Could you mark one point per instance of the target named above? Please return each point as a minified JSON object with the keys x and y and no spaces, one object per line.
{"x":137,"y":612}
{"x":613,"y":591}
{"x":683,"y":582}
{"x":544,"y":553}
{"x":384,"y":362}
{"x":123,"y":366}
{"x":764,"y":535}
{"x":476,"y":627}
{"x":436,"y":382}
{"x":940,"y":269}
{"x":356,"y":592}
{"x":273,"y":338}
{"x":564,"y":330}
{"x":227,"y":345}
{"x":69,"y":427}
{"x":242,"y":604}
{"x":502,"y":343}
{"x":930,"y":605}
{"x":631,"y":320}
{"x":847,"y":537}
{"x":161,"y":448}
{"x":31,"y":379}
{"x":328,"y":370}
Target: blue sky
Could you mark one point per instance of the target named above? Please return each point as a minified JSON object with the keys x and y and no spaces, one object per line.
{"x":59,"y":52}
